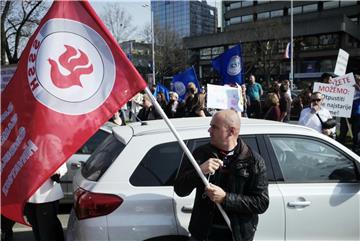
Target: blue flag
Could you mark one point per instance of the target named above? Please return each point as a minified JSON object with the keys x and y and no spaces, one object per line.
{"x":287,"y":53}
{"x":181,"y":80}
{"x":230,"y":66}
{"x":162,"y":89}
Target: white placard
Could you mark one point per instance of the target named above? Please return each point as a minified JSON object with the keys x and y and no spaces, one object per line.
{"x":338,"y":99}
{"x":345,"y":80}
{"x":341,"y":63}
{"x":224,"y":97}
{"x":7,"y":71}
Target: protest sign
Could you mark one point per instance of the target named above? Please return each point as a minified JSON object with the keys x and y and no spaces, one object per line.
{"x":345,"y":80}
{"x":7,"y":72}
{"x":224,"y":97}
{"x":341,"y":63}
{"x":338,"y":99}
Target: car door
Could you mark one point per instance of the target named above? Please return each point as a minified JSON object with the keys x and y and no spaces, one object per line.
{"x":147,"y":210}
{"x":271,"y":223}
{"x":320,"y":188}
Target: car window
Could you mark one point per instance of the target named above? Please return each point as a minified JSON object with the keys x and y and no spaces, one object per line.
{"x":94,"y":141}
{"x":102,"y":158}
{"x":159,"y":166}
{"x":250,"y":140}
{"x":308,"y":160}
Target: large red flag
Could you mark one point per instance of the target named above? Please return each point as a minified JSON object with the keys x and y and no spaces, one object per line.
{"x":71,"y":78}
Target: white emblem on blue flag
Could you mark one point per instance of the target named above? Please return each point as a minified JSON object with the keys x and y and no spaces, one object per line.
{"x":180,"y":88}
{"x":234,"y":66}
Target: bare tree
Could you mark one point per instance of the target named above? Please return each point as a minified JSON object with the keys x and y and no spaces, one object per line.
{"x":170,"y":57}
{"x":18,"y":21}
{"x":146,"y":33}
{"x":265,"y":50}
{"x":118,"y":21}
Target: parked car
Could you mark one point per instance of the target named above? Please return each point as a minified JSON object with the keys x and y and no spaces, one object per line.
{"x":125,"y":190}
{"x":80,"y":157}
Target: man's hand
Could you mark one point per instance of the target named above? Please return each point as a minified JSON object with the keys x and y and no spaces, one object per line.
{"x":215,"y":193}
{"x":211,"y":165}
{"x":55,"y":177}
{"x":327,"y":132}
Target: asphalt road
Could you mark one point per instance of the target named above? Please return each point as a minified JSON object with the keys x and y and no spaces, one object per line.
{"x":24,"y":233}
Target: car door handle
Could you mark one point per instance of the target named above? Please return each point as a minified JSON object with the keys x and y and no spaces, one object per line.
{"x":299,"y":204}
{"x":75,"y":166}
{"x":186,"y":209}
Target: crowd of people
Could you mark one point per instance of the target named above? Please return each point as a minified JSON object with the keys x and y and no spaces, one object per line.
{"x":42,"y":208}
{"x":277,"y":105}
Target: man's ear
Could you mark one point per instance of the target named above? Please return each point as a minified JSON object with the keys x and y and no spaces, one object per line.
{"x":232,"y":130}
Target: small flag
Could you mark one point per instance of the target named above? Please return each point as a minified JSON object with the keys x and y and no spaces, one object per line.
{"x":162,"y":89}
{"x":71,"y":78}
{"x":230,"y":66}
{"x":181,"y":80}
{"x":287,"y":53}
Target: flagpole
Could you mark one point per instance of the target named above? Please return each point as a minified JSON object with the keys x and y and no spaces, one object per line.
{"x":291,"y":77}
{"x":185,"y":149}
{"x":153,"y":45}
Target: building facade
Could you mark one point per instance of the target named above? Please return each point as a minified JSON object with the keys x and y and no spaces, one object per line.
{"x":263,"y":29}
{"x":186,"y":18}
{"x":139,"y":53}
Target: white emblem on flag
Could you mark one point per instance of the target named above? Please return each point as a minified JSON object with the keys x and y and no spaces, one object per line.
{"x":71,"y":69}
{"x":180,"y":88}
{"x":234,"y":66}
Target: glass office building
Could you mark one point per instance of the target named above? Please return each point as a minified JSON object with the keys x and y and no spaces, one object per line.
{"x":321,"y":28}
{"x":186,"y":18}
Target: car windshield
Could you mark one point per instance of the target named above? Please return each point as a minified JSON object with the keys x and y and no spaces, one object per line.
{"x":102,"y":158}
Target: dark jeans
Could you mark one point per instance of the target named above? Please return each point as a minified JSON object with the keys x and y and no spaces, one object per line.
{"x":43,"y":218}
{"x":355,"y":128}
{"x":217,"y":235}
{"x":254,"y":110}
{"x":6,"y":228}
{"x":343,"y":130}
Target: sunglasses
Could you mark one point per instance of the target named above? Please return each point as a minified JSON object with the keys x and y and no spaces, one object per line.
{"x":315,"y":100}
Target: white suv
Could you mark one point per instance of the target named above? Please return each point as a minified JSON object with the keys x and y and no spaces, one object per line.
{"x":125,"y":190}
{"x":80,"y":157}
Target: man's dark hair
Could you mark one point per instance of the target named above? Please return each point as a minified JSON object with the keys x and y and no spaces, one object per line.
{"x":283,"y":88}
{"x":325,"y":76}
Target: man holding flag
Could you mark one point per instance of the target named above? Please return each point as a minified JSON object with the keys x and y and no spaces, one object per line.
{"x":238,"y":182}
{"x":98,"y":80}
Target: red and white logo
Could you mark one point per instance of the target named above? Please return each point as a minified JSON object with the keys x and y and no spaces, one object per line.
{"x":66,"y":72}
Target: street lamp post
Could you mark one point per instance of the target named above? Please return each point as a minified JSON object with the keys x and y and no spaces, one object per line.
{"x":152,"y":43}
{"x":291,"y":77}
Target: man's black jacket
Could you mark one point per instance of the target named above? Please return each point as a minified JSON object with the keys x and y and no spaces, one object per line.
{"x":246,"y":191}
